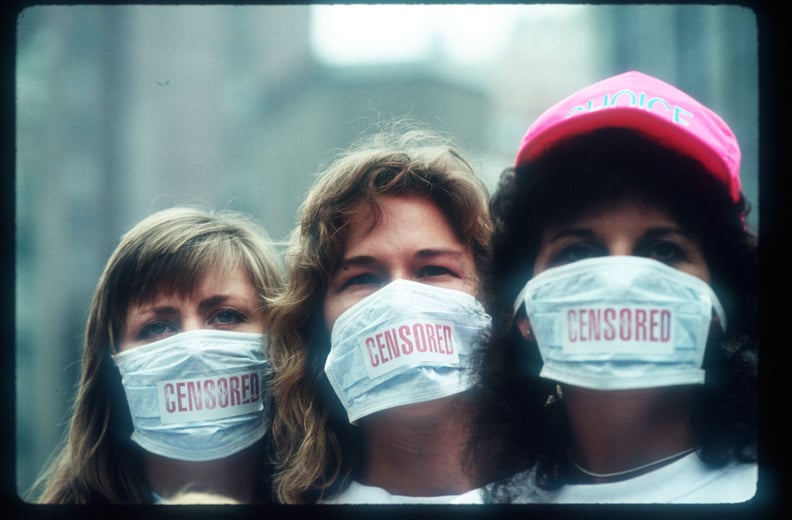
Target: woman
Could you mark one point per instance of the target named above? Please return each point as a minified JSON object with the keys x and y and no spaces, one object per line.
{"x":371,"y":336}
{"x":172,"y":394}
{"x":624,"y":277}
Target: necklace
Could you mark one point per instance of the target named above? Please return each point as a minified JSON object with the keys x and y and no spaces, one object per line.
{"x":632,"y":470}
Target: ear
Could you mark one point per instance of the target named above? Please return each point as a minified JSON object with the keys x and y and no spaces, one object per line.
{"x":524,"y":324}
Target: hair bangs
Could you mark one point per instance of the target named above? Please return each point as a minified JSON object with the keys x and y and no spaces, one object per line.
{"x":180,"y":270}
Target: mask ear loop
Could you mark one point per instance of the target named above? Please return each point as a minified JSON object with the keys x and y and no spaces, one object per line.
{"x":716,"y":322}
{"x":525,"y":327}
{"x":719,"y":315}
{"x":523,"y":324}
{"x":519,"y":301}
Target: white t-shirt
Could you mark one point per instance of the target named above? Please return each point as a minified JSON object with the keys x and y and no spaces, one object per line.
{"x":687,"y":480}
{"x":358,"y":493}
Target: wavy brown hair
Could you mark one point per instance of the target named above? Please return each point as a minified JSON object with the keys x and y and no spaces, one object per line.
{"x":168,"y":251}
{"x":316,"y":448}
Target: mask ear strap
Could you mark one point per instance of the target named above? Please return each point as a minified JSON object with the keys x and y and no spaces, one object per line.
{"x":519,"y":301}
{"x":719,"y":314}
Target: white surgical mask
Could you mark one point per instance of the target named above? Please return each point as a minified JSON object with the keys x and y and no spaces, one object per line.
{"x":407,"y":343}
{"x":198,"y":395}
{"x":620,"y":322}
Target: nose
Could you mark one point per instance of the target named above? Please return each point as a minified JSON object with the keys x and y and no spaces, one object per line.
{"x":399,"y":274}
{"x":191,"y":322}
{"x":620,"y":246}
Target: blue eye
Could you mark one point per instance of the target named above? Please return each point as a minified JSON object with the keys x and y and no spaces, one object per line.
{"x":229,"y":317}
{"x":156,"y":330}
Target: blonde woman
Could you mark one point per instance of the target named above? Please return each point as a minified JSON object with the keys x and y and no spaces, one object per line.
{"x":173,"y":391}
{"x":372,"y":334}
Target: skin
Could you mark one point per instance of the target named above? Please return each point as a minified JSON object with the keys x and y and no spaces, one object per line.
{"x":412,"y":450}
{"x":618,"y":430}
{"x":221,"y":304}
{"x":626,"y":229}
{"x":229,"y":303}
{"x":413,"y":241}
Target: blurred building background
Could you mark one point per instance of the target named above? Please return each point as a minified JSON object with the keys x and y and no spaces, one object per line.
{"x":122,"y":111}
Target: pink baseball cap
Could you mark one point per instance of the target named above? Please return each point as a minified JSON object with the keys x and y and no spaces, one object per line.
{"x":653,"y":107}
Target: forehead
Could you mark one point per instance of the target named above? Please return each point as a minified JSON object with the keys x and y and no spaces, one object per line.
{"x":622,"y":213}
{"x":400,"y":219}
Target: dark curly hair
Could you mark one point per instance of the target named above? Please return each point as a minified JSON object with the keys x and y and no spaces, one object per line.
{"x":520,"y":425}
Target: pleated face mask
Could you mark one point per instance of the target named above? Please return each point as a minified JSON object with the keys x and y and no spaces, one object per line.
{"x":407,"y":343}
{"x":620,"y":322}
{"x":198,"y":395}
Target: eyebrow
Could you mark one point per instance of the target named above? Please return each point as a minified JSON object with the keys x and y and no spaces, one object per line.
{"x":432,"y":253}
{"x":213,"y":301}
{"x":588,"y":233}
{"x":155,"y":309}
{"x":653,"y":232}
{"x":204,"y":305}
{"x":571,"y":232}
{"x":361,"y":260}
{"x":365,"y":260}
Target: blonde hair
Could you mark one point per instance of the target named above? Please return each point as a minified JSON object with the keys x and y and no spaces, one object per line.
{"x":312,"y":439}
{"x":168,"y":251}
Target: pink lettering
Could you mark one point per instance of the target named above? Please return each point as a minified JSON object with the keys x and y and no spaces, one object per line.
{"x":234,"y":390}
{"x":625,"y":328}
{"x":625,"y":324}
{"x":209,"y":387}
{"x":583,"y":325}
{"x":440,"y":339}
{"x":404,"y":334}
{"x":572,"y":325}
{"x":609,"y":316}
{"x":420,"y":337}
{"x":254,"y":386}
{"x":180,"y":396}
{"x":393,"y":345}
{"x":640,"y":325}
{"x":431,"y":341}
{"x":222,"y":388}
{"x":245,"y":388}
{"x":381,"y":347}
{"x":449,"y":339}
{"x":653,"y":325}
{"x":170,"y":406}
{"x":594,"y":324}
{"x":194,"y":396}
{"x":665,"y":325}
{"x":373,"y":358}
